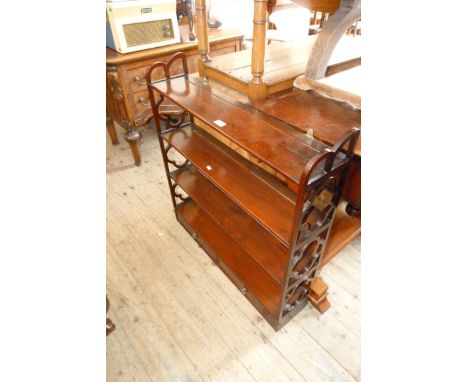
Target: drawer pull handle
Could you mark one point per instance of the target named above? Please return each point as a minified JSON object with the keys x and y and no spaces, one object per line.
{"x":141,"y":101}
{"x":138,"y":80}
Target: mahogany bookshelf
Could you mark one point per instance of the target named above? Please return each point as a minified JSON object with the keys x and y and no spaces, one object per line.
{"x":268,"y":236}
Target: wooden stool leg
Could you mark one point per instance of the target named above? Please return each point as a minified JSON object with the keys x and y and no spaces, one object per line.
{"x":111,"y":130}
{"x":318,"y":295}
{"x":256,"y":86}
{"x":133,"y":136}
{"x":202,"y":35}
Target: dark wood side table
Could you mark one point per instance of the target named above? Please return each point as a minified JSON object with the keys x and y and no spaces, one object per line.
{"x":127,"y":100}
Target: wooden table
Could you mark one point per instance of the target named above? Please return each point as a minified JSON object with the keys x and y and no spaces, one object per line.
{"x":127,"y":100}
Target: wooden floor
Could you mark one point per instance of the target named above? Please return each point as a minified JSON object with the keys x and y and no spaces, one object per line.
{"x":179,"y":318}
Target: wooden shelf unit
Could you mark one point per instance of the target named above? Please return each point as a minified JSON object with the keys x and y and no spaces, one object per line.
{"x":268,"y":239}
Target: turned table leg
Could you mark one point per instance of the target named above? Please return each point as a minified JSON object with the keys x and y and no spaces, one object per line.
{"x":257,"y":87}
{"x":133,"y":136}
{"x":202,"y":35}
{"x":111,"y":130}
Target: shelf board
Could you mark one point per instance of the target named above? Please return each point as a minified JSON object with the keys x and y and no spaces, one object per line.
{"x":237,"y":262}
{"x":262,"y":139}
{"x":328,"y":118}
{"x":265,"y":200}
{"x":258,"y":242}
{"x":343,"y":231}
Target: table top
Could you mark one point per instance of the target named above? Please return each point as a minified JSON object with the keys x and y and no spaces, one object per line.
{"x":214,"y":35}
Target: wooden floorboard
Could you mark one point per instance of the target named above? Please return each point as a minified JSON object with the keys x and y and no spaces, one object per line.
{"x":178,"y":316}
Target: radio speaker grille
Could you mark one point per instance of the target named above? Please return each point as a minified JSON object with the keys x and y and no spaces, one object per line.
{"x":148,"y":32}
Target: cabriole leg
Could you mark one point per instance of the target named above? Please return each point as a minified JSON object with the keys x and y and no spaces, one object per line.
{"x":133,"y":136}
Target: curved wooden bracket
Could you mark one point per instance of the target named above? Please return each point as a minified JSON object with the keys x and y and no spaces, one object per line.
{"x":170,"y":109}
{"x":167,"y":112}
{"x":166,"y":65}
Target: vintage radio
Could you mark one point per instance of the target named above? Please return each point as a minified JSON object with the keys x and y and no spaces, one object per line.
{"x":141,"y":24}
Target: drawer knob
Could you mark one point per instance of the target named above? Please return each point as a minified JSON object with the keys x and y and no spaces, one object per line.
{"x":138,"y":80}
{"x":141,"y":101}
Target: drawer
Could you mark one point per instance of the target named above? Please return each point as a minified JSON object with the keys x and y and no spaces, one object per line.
{"x":135,"y":79}
{"x":140,"y":106}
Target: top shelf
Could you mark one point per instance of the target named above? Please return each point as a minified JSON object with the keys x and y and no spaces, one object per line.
{"x":262,"y":139}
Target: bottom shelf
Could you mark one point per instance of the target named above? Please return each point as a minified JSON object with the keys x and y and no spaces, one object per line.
{"x":343,"y":231}
{"x":260,"y":288}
